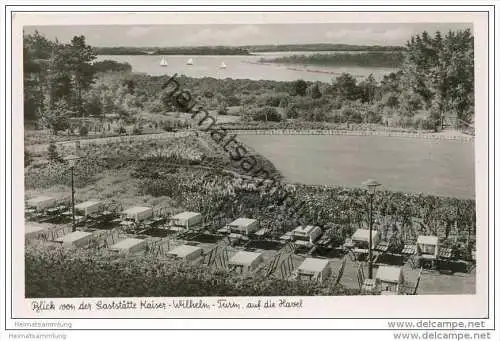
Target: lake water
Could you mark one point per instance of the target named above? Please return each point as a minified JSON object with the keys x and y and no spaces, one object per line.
{"x":440,"y":167}
{"x":243,"y":67}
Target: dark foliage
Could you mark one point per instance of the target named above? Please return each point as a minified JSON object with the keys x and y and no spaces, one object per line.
{"x":111,"y":66}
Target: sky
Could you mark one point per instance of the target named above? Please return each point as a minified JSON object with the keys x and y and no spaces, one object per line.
{"x":392,"y":34}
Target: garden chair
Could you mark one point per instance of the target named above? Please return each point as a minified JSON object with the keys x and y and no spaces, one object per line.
{"x":273,"y":264}
{"x":360,"y":276}
{"x":368,"y":286}
{"x":208,"y":257}
{"x":354,"y":257}
{"x":340,"y":273}
{"x":417,"y":283}
{"x":286,"y":267}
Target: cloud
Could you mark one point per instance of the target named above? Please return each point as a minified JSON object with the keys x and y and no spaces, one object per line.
{"x":211,"y":35}
{"x":138,"y":31}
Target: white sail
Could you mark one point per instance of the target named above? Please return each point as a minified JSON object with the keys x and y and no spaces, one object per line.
{"x":223,"y":65}
{"x":190,"y":61}
{"x":163,"y":62}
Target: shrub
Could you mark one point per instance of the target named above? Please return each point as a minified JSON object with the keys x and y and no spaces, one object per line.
{"x":352,"y":115}
{"x":335,"y":104}
{"x":317,"y":115}
{"x":248,"y":100}
{"x":373,"y":117}
{"x":337,"y":117}
{"x":404,"y":122}
{"x":273,"y":101}
{"x":423,"y":123}
{"x":233,"y":101}
{"x":167,"y":126}
{"x":83,"y":131}
{"x":111,"y":66}
{"x":315,"y":92}
{"x":57,"y":118}
{"x":267,"y":114}
{"x":291,"y":112}
{"x":222,"y":110}
{"x":155,"y":106}
{"x":92,"y":105}
{"x":53,"y":154}
{"x":57,"y":272}
{"x":391,"y":99}
{"x":137,"y":130}
{"x":121,"y":130}
{"x":208,"y":94}
{"x":299,"y":88}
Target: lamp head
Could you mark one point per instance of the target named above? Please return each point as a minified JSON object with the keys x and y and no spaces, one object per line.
{"x":71,"y":159}
{"x":371,"y":185}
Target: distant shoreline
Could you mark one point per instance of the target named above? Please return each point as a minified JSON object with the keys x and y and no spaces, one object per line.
{"x":241,"y":50}
{"x":376,"y":59}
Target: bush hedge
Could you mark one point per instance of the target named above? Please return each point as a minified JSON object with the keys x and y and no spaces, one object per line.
{"x":52,"y":271}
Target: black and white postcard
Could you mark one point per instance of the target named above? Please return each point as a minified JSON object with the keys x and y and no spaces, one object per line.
{"x":264,"y":165}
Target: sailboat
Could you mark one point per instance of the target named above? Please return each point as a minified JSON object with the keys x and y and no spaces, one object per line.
{"x":190,"y":61}
{"x":223,"y":65}
{"x":163,"y":62}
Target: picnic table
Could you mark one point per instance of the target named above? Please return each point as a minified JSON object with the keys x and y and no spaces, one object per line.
{"x":445,"y":253}
{"x":127,"y":224}
{"x":35,"y":216}
{"x":369,"y":285}
{"x":286,"y":237}
{"x":262,"y":232}
{"x":349,"y":244}
{"x":56,"y":210}
{"x":237,"y":236}
{"x":409,"y":249}
{"x":223,"y":230}
{"x":382,"y":246}
{"x":155,"y":221}
{"x":104,"y":216}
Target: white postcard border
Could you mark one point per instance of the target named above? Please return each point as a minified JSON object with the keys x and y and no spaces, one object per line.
{"x":463,"y":306}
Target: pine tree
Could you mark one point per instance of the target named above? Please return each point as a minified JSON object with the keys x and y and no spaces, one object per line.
{"x":36,"y":54}
{"x":346,"y":87}
{"x":368,"y":88}
{"x":81,"y":69}
{"x":441,"y":71}
{"x":315,"y":92}
{"x":57,"y":118}
{"x":300,"y":87}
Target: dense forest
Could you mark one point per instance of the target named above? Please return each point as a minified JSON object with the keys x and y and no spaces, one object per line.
{"x":197,"y":50}
{"x":238,"y":50}
{"x":321,"y":47}
{"x":369,"y":59}
{"x":436,"y":80}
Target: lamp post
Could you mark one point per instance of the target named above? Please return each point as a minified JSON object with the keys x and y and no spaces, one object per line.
{"x":71,"y":160}
{"x":371,"y":186}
